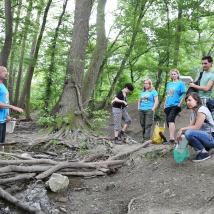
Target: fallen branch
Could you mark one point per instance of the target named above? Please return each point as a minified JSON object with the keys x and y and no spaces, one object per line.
{"x":84,"y":174}
{"x":128,"y":153}
{"x":63,"y":165}
{"x":17,"y":178}
{"x":130,"y":205}
{"x":30,"y":162}
{"x":13,"y":168}
{"x":7,"y":196}
{"x":15,"y":155}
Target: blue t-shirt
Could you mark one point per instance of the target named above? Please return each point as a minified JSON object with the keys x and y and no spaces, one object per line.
{"x":174,"y":93}
{"x":4,"y":98}
{"x":147,"y":99}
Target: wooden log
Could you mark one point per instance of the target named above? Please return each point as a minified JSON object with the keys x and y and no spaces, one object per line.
{"x":15,"y":155}
{"x":7,"y":196}
{"x":29,"y":162}
{"x":84,"y":174}
{"x":17,"y":178}
{"x":92,"y":165}
{"x":12,"y":168}
{"x":124,"y":155}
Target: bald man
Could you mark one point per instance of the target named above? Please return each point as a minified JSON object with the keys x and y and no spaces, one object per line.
{"x":4,"y":104}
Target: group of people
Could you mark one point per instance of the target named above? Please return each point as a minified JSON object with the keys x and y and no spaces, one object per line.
{"x":199,"y":133}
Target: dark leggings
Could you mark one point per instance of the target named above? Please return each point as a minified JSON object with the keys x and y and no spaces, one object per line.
{"x":2,"y":132}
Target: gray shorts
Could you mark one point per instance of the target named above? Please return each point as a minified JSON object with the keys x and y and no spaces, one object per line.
{"x":118,"y":116}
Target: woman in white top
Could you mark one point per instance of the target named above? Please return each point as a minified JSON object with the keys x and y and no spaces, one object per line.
{"x":200,"y":132}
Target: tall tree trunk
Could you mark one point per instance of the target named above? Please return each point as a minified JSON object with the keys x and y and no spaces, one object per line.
{"x":29,"y":75}
{"x":91,"y":77}
{"x":128,"y":51}
{"x":71,"y":98}
{"x":164,"y":60}
{"x":51,"y":69}
{"x":5,"y":52}
{"x":22,"y":51}
{"x":14,"y":50}
{"x":178,"y":33}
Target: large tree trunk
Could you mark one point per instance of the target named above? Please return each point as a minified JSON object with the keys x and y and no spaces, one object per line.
{"x":22,"y":51}
{"x":71,"y":98}
{"x":13,"y":53}
{"x":50,"y":72}
{"x":5,"y":52}
{"x":178,"y":33}
{"x":29,"y":75}
{"x":91,"y":76}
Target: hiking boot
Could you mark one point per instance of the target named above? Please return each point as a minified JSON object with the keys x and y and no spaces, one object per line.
{"x":121,"y":134}
{"x":202,"y":156}
{"x":117,"y":141}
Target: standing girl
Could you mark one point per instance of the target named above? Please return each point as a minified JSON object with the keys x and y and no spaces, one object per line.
{"x":119,"y":110}
{"x":175,"y":92}
{"x":147,"y":104}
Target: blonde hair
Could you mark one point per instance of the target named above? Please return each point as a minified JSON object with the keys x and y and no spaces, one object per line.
{"x":150,"y":84}
{"x":176,"y":71}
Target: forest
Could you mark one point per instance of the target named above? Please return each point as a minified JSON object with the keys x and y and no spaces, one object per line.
{"x":67,"y":59}
{"x":63,"y":62}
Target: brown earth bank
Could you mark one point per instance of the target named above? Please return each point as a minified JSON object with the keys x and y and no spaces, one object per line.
{"x":148,"y":182}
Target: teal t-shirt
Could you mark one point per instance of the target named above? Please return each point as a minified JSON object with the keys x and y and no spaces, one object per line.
{"x":4,"y":98}
{"x":174,"y":93}
{"x":147,"y":99}
{"x":206,"y":77}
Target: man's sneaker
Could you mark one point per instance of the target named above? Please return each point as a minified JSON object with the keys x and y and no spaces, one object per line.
{"x":202,"y":156}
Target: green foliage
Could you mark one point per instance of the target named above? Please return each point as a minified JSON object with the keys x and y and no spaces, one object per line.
{"x":57,"y":122}
{"x":98,"y":119}
{"x":83,"y":148}
{"x":154,"y":155}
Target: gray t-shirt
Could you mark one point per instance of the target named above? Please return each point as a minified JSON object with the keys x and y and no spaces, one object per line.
{"x":208,"y":125}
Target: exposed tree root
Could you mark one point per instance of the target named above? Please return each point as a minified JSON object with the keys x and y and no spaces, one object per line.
{"x":7,"y":196}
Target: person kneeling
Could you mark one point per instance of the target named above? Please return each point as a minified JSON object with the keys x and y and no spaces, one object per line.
{"x":200,"y":132}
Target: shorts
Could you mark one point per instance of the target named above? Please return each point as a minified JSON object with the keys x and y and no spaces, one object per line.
{"x":171,"y":113}
{"x":118,"y":116}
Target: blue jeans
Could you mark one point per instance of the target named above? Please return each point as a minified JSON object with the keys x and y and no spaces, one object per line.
{"x":199,"y":140}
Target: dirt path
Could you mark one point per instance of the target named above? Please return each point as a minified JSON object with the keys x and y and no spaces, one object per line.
{"x":147,"y":184}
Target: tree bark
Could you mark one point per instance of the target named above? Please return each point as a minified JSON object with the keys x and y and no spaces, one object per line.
{"x":98,"y":57}
{"x":27,"y":82}
{"x":70,"y":101}
{"x":51,"y":69}
{"x":22,"y":51}
{"x":14,"y":50}
{"x":5,"y":52}
{"x":178,"y":33}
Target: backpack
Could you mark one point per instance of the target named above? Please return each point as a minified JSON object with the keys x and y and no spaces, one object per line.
{"x":210,"y":105}
{"x":197,"y":82}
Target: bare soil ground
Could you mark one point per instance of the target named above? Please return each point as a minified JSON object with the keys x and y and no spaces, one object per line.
{"x":150,"y":183}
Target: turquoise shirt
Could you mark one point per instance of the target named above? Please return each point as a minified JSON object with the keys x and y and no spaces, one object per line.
{"x":4,"y":98}
{"x":147,"y":99}
{"x":174,"y":93}
{"x":206,"y":77}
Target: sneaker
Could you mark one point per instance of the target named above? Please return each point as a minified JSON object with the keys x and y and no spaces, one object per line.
{"x":202,"y":156}
{"x":172,"y":141}
{"x":121,"y":134}
{"x":117,"y":141}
